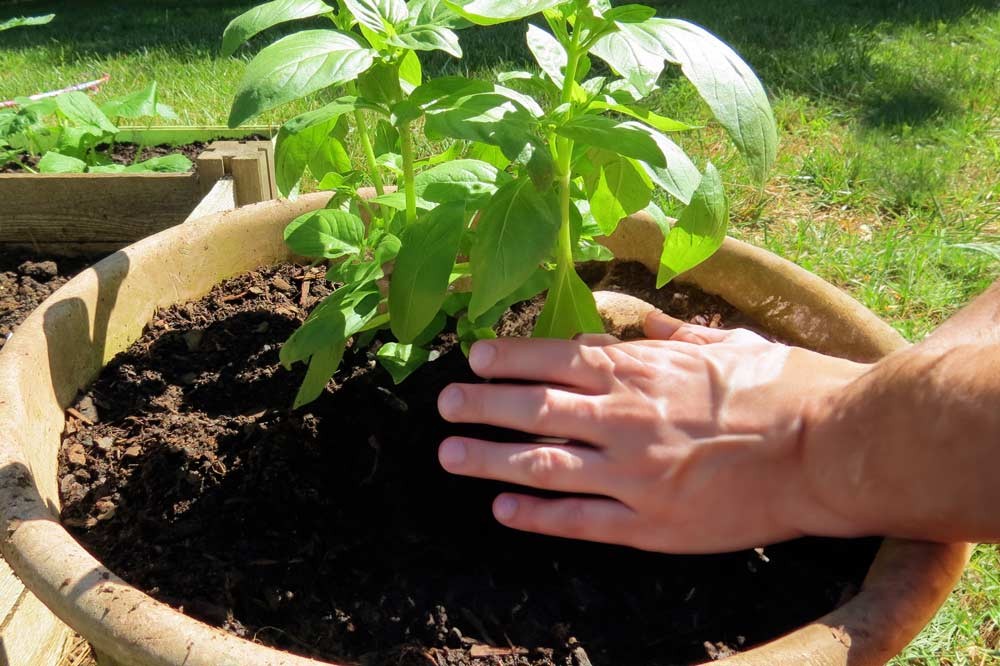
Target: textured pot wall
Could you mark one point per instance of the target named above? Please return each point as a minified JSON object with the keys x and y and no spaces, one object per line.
{"x":62,"y":347}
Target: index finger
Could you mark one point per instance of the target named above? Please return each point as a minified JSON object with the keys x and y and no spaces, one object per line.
{"x":570,"y":363}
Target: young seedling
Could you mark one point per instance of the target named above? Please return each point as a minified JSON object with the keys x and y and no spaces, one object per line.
{"x":537,"y":165}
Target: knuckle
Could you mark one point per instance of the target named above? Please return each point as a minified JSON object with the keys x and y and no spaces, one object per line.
{"x":544,"y":466}
{"x":597,"y":358}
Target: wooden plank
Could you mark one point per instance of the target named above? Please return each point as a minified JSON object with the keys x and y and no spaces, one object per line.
{"x":220,"y":199}
{"x":267,"y":148}
{"x":250,"y":180}
{"x":32,"y":636}
{"x":69,"y":208}
{"x":211,"y":169}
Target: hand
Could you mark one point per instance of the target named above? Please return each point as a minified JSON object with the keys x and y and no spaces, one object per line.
{"x":686,"y":443}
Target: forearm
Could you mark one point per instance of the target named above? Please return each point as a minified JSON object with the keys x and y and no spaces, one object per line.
{"x":911,"y":448}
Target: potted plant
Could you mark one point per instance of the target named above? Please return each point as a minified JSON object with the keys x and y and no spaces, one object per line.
{"x":548,"y":187}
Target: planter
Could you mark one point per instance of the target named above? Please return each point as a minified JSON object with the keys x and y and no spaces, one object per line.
{"x":89,"y":213}
{"x":62,"y":347}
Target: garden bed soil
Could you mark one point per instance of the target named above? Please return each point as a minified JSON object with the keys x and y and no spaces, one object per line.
{"x":332,"y":532}
{"x":119,"y":153}
{"x":26,"y":280}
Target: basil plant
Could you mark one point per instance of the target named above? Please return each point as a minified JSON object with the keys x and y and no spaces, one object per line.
{"x":532,"y":166}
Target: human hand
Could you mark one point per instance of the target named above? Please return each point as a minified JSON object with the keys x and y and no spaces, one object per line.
{"x":687,"y":442}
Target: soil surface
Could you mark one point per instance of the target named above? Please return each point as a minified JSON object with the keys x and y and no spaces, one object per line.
{"x":333,"y":533}
{"x":119,"y":153}
{"x":26,"y":281}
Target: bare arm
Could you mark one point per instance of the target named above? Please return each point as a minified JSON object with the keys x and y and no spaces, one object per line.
{"x":912,"y":448}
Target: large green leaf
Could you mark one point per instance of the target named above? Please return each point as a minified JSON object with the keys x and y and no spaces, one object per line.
{"x":516,"y":232}
{"x":21,"y":21}
{"x":628,"y":139}
{"x":635,"y":53}
{"x":327,"y":233}
{"x":264,"y":16}
{"x":78,"y":108}
{"x":616,"y":186}
{"x":322,"y":366}
{"x":305,"y":138}
{"x":549,"y":53}
{"x":680,"y":177}
{"x":140,"y":104}
{"x":435,"y":12}
{"x":466,"y":181}
{"x":343,"y":313}
{"x":492,"y":12}
{"x":378,"y":15}
{"x":296,"y":66}
{"x":423,"y":266}
{"x":728,"y":85}
{"x":648,"y":117}
{"x":53,"y":162}
{"x":401,"y":361}
{"x":428,"y":38}
{"x":569,"y":308}
{"x":489,"y":117}
{"x":699,"y":230}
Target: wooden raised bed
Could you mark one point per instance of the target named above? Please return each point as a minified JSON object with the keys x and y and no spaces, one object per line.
{"x":84,"y":213}
{"x":56,"y":214}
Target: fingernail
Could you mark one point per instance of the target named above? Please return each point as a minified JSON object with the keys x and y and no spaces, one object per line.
{"x":482,"y":356}
{"x":504,"y":507}
{"x":452,"y":453}
{"x":450,"y":401}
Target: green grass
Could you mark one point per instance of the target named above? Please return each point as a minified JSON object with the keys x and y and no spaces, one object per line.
{"x":890,"y":158}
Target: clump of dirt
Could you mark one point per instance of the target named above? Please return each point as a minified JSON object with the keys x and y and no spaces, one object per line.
{"x":332,"y":531}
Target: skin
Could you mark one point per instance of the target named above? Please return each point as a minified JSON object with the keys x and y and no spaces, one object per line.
{"x":698,"y":440}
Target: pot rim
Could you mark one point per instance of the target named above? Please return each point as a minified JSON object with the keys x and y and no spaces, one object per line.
{"x":130,"y":627}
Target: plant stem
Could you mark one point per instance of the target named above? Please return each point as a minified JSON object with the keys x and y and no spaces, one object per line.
{"x":366,"y":144}
{"x":406,"y":146}
{"x":564,"y":151}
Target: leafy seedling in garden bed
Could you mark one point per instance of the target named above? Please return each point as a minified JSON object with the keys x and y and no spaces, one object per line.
{"x":536,"y":165}
{"x":77,"y":130}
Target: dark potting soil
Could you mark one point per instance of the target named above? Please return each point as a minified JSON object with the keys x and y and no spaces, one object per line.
{"x":333,"y":533}
{"x":26,"y":281}
{"x":119,"y":153}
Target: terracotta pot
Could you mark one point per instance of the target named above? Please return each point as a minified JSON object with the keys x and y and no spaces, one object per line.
{"x":64,"y":344}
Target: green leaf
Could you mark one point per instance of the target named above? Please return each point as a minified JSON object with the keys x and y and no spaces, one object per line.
{"x":78,"y":108}
{"x":635,"y":53}
{"x":322,"y":366}
{"x":616,"y":187}
{"x":516,"y":232}
{"x":729,"y":86}
{"x":630,"y":14}
{"x":549,"y":53}
{"x":378,"y":15}
{"x":436,"y":90}
{"x":699,"y":230}
{"x":326,"y":233}
{"x":420,"y":278}
{"x":265,"y":16}
{"x":21,"y":21}
{"x":343,"y":313}
{"x":468,"y":333}
{"x":296,"y":66}
{"x":175,"y":163}
{"x":680,"y":177}
{"x":988,"y":249}
{"x":387,"y":248}
{"x":540,"y":280}
{"x":485,"y":117}
{"x":401,"y":361}
{"x":140,"y":104}
{"x":428,"y":38}
{"x":304,"y":140}
{"x":411,"y":73}
{"x":628,"y":139}
{"x":492,"y":12}
{"x":654,"y":120}
{"x":53,"y":162}
{"x":466,"y":181}
{"x":435,"y":12}
{"x":569,"y":308}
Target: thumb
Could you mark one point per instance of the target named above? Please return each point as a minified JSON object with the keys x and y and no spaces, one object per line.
{"x":660,"y":326}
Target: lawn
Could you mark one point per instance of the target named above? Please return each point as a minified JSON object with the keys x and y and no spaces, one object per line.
{"x":888,"y":180}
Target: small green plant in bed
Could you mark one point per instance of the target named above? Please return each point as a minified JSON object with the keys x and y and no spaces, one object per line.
{"x":70,"y":133}
{"x":530,"y":169}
